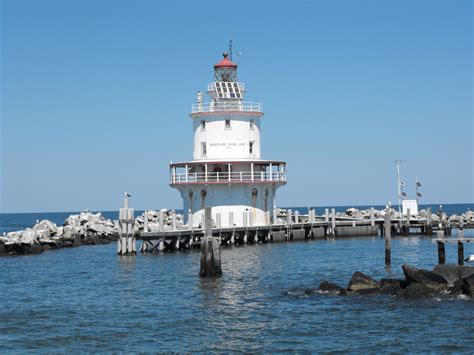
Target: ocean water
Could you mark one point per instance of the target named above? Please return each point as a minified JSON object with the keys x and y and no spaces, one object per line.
{"x":88,"y":299}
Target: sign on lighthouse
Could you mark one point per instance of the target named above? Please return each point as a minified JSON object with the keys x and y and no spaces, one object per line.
{"x":227,"y":172}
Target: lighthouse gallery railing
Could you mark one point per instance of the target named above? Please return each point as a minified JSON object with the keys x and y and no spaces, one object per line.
{"x":227,"y":106}
{"x":223,"y":177}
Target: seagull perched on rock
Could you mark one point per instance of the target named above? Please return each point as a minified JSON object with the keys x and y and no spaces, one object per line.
{"x":470,"y":259}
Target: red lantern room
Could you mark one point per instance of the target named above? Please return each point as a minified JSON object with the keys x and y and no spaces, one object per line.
{"x":225,"y":70}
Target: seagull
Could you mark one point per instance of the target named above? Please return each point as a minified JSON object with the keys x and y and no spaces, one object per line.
{"x":127,"y":194}
{"x":470,"y":259}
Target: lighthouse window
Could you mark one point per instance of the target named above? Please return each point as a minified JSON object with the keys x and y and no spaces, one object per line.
{"x":227,"y":124}
{"x":251,"y":147}
{"x":203,"y":149}
{"x":251,"y":122}
{"x":203,"y":125}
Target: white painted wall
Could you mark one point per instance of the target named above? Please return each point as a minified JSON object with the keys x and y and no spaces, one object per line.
{"x":226,"y":143}
{"x":225,"y":198}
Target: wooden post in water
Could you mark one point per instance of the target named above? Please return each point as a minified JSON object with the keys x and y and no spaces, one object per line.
{"x":126,"y":243}
{"x":388,"y":240}
{"x":297,"y":217}
{"x":275,"y":218}
{"x":288,"y":217}
{"x":460,"y":253}
{"x":210,"y":250}
{"x":407,"y":231}
{"x":326,"y":215}
{"x":145,"y":221}
{"x":372,"y":217}
{"x":333,"y":222}
{"x":173,"y":221}
{"x":441,"y":252}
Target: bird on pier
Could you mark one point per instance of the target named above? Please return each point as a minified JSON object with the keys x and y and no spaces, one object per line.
{"x":470,"y":259}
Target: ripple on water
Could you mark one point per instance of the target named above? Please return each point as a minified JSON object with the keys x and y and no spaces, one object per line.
{"x":88,"y":299}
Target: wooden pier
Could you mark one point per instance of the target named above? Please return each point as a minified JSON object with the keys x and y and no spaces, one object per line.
{"x":295,"y":228}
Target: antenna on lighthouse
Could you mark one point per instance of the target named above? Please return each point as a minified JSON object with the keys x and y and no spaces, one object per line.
{"x":230,"y":50}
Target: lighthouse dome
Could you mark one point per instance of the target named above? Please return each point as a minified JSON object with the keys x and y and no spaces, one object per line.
{"x":225,"y":62}
{"x":225,"y":70}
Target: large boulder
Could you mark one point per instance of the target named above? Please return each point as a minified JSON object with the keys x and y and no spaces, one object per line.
{"x":328,"y":287}
{"x":45,"y":224}
{"x":29,"y":237}
{"x":362,"y":283}
{"x":43,"y":233}
{"x":416,"y":290}
{"x":453,"y":273}
{"x":68,"y":232}
{"x":392,"y":286}
{"x":468,"y":286}
{"x":425,"y":277}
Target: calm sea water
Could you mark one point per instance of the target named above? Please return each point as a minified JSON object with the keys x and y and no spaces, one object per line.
{"x":89,"y":299}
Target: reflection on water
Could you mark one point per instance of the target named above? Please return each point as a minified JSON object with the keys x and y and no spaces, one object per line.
{"x":71,"y":298}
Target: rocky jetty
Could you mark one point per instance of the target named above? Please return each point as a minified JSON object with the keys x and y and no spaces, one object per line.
{"x":81,"y":229}
{"x":418,"y":283}
{"x":85,"y":228}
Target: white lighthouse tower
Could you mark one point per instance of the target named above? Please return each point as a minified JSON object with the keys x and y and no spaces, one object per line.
{"x":227,"y":172}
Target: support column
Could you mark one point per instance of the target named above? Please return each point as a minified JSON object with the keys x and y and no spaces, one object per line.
{"x":460,"y":253}
{"x":210,"y":250}
{"x":333,"y":221}
{"x":126,"y":244}
{"x":388,"y":239}
{"x":441,"y":252}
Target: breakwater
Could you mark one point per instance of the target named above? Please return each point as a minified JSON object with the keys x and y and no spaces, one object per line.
{"x":167,"y":227}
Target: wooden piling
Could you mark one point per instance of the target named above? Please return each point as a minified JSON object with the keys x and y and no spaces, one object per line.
{"x":333,"y":222}
{"x":126,"y":244}
{"x":231,"y":219}
{"x":297,"y":217}
{"x":288,"y":217}
{"x":326,"y":215}
{"x":460,"y":253}
{"x":441,"y":252}
{"x":275,"y":218}
{"x":388,"y":239}
{"x":210,"y":250}
{"x":372,"y":217}
{"x":145,"y":221}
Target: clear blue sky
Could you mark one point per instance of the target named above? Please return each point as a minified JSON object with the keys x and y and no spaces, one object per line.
{"x":96,"y":96}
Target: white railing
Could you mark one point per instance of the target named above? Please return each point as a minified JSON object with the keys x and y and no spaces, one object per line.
{"x":227,"y":106}
{"x":224,"y":177}
{"x":212,"y":87}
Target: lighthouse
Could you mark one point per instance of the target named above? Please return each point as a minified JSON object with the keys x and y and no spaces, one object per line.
{"x":227,"y":172}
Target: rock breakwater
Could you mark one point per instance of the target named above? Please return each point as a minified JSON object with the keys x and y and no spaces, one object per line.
{"x":85,"y":228}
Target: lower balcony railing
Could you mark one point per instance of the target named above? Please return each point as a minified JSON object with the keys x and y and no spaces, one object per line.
{"x":224,"y":177}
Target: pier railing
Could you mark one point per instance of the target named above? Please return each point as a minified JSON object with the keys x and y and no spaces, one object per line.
{"x":225,"y":177}
{"x":227,"y":106}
